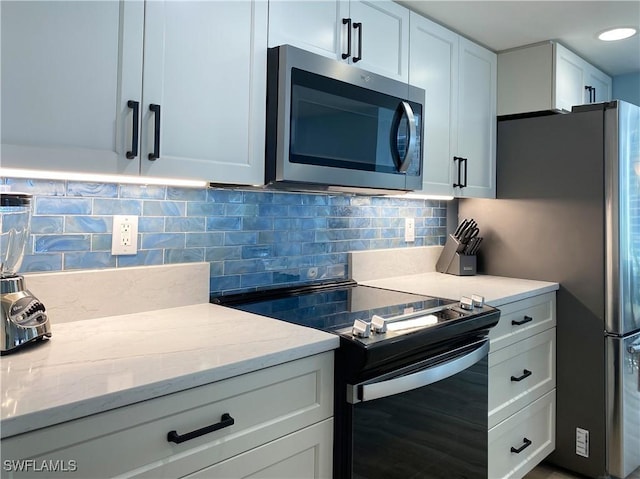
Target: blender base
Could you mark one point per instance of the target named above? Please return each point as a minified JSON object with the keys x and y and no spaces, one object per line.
{"x":24,"y":320}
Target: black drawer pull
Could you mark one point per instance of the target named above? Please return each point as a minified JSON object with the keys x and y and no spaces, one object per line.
{"x":155,"y":154}
{"x":526,"y":444}
{"x":135,"y":106}
{"x":527,"y":319}
{"x":225,"y":421}
{"x":525,"y":374}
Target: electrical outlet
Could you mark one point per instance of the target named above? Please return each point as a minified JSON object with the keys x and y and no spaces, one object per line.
{"x":409,"y":230}
{"x":582,"y":442}
{"x":124,"y":239}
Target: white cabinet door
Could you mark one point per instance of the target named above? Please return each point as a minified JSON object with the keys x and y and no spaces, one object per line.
{"x":205,"y":66}
{"x":324,"y":27}
{"x":68,"y":70}
{"x":434,"y":67}
{"x":569,"y":79}
{"x":600,"y":82}
{"x":313,"y":25}
{"x":477,"y":121}
{"x":384,"y":29}
{"x":574,"y":79}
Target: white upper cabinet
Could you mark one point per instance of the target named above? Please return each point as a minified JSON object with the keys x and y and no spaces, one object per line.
{"x":477,"y":92}
{"x":205,"y":67}
{"x":73,"y":76}
{"x":434,"y":68}
{"x":459,"y":79}
{"x":373,"y":35}
{"x":64,"y":92}
{"x":547,"y":76}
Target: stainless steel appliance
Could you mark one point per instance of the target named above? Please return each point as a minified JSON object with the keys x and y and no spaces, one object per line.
{"x":23,"y":317}
{"x":568,"y":210}
{"x":335,"y":126}
{"x":411,"y":376}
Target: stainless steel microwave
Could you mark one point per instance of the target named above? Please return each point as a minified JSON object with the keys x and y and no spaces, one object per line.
{"x":334,"y":126}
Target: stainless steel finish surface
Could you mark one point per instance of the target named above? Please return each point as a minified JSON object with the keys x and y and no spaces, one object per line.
{"x":312,"y":176}
{"x":22,"y":320}
{"x":374,"y":390}
{"x":413,"y":135}
{"x":567,"y":212}
{"x":378,"y":324}
{"x":12,"y":284}
{"x":22,"y":316}
{"x":361,"y":329}
{"x":623,"y":404}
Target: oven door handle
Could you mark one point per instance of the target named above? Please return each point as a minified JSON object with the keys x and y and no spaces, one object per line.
{"x":368,"y":391}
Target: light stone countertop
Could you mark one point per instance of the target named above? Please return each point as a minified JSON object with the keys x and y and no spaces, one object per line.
{"x":497,"y":290}
{"x":99,"y":364}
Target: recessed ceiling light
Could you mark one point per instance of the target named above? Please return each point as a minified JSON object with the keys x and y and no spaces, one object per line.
{"x":617,"y":34}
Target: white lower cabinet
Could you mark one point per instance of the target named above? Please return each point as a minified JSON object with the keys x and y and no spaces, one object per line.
{"x":522,"y":385}
{"x":519,"y":443}
{"x":271,"y":422}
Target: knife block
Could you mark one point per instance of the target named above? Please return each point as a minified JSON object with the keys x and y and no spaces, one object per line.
{"x":453,"y":261}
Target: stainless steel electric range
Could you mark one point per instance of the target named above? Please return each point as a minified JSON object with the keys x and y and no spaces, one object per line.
{"x":410,"y":375}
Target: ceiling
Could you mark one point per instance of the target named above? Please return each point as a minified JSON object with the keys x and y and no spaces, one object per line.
{"x":501,"y":25}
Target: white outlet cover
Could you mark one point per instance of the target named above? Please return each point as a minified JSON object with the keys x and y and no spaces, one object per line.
{"x":409,"y":230}
{"x":124,"y":238}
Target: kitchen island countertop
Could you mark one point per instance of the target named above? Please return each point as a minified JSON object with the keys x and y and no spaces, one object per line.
{"x":99,"y":364}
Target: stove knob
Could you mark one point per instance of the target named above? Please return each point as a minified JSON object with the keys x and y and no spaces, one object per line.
{"x":466,"y":303}
{"x":378,"y":324}
{"x":361,"y":329}
{"x":478,"y":301}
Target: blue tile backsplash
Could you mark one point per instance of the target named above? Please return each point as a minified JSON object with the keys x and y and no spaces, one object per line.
{"x":251,"y":238}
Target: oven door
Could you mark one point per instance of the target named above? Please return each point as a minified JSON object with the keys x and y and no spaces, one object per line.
{"x":426,"y":420}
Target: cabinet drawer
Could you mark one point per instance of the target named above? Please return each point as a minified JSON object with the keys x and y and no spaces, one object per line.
{"x":305,"y":454}
{"x":520,"y":374}
{"x":265,"y":405}
{"x":523,"y":318}
{"x":534,"y":424}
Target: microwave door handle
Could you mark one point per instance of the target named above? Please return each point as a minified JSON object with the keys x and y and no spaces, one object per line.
{"x":367,"y":392}
{"x":412,"y":134}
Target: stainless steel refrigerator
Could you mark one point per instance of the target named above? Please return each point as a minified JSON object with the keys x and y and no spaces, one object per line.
{"x":568,"y":210}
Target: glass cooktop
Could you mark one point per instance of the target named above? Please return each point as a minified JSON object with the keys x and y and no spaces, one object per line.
{"x":331,"y":307}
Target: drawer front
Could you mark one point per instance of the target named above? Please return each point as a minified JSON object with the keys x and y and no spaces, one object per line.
{"x":305,"y":454}
{"x":523,"y":318}
{"x":264,"y":405}
{"x":521,"y":442}
{"x":520,"y":374}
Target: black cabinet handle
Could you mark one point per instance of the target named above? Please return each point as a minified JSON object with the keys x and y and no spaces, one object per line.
{"x":592,"y":93}
{"x":525,"y":374}
{"x":347,"y":21}
{"x":526,"y":444}
{"x":527,"y":319}
{"x":135,"y":105}
{"x":155,"y":154}
{"x":225,"y":421}
{"x":358,"y":26}
{"x":460,"y":161}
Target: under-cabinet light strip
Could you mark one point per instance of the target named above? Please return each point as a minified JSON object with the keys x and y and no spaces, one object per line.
{"x":99,"y":178}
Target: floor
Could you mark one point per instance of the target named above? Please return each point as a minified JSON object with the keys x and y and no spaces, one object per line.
{"x":547,"y":471}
